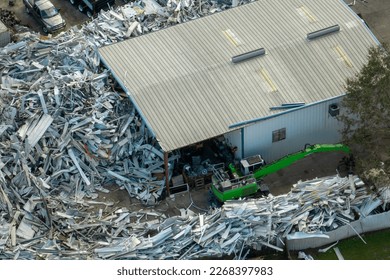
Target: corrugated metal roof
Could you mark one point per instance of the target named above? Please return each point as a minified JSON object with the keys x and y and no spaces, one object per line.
{"x":185,"y":85}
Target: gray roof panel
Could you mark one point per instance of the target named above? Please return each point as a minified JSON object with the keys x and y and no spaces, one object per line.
{"x":185,"y":84}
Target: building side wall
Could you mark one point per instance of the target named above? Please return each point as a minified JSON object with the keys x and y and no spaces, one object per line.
{"x":309,"y":125}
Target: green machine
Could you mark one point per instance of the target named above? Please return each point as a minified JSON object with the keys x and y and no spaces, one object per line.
{"x":232,"y":184}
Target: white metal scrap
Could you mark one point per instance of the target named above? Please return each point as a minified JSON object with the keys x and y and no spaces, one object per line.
{"x":251,"y":224}
{"x":256,"y":223}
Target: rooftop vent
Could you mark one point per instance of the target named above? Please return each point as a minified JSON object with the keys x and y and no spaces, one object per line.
{"x":286,"y":106}
{"x":248,"y":55}
{"x":323,"y":32}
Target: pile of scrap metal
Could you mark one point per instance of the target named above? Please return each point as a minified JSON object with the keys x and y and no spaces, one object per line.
{"x":312,"y":207}
{"x":141,"y":17}
{"x":63,"y":128}
{"x":59,"y":227}
{"x":385,"y":196}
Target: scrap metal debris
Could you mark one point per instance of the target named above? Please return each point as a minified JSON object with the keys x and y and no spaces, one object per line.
{"x":302,"y":255}
{"x":58,"y":227}
{"x":338,"y":253}
{"x":8,"y":18}
{"x":384,"y":194}
{"x":141,"y":17}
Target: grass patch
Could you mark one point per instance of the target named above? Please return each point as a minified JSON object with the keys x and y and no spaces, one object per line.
{"x":377,"y":248}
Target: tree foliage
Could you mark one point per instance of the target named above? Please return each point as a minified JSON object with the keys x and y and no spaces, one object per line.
{"x":366,"y":114}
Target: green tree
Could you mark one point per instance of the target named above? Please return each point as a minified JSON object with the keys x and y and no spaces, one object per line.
{"x":366,"y":117}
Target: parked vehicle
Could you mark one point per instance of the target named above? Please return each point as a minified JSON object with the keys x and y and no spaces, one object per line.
{"x":92,"y":7}
{"x":45,"y":12}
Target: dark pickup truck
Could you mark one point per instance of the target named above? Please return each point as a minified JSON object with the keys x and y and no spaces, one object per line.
{"x":92,"y":7}
{"x":45,"y":12}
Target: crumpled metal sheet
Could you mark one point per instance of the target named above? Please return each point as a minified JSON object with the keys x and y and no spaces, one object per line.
{"x":384,"y":194}
{"x":142,"y":17}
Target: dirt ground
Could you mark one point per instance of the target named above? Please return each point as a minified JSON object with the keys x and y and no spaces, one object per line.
{"x":311,"y":167}
{"x":197,"y":200}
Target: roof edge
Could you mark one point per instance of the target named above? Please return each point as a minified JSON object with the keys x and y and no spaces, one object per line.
{"x":119,"y":81}
{"x":362,"y":22}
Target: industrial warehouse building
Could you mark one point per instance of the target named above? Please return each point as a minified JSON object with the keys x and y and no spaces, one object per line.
{"x":269,"y":76}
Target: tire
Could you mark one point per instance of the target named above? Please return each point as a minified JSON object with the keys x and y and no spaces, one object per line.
{"x":73,"y":2}
{"x":44,"y":28}
{"x":81,"y":8}
{"x":89,"y":13}
{"x":27,"y":10}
